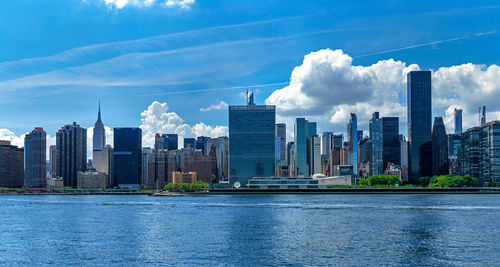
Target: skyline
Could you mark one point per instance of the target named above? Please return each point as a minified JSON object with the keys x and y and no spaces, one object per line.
{"x":133,"y":73}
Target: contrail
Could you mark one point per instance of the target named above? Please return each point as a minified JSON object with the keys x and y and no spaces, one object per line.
{"x":426,"y":44}
{"x":216,"y":89}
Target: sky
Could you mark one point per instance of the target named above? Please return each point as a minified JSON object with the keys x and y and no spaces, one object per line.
{"x":174,"y":66}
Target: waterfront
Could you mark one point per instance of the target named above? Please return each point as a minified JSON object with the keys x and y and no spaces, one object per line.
{"x":251,"y":230}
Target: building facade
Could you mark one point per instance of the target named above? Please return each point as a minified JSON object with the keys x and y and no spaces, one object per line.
{"x":127,"y":157}
{"x":326,"y":143}
{"x":103,"y":163}
{"x":251,"y":142}
{"x":439,"y":148}
{"x":99,"y":138}
{"x":11,"y":165}
{"x":352,"y":141}
{"x":303,"y":131}
{"x":377,"y":142}
{"x":281,"y":135}
{"x":71,"y":150}
{"x":391,"y":149}
{"x":189,"y":142}
{"x":419,"y":124}
{"x":458,"y":121}
{"x":35,"y":158}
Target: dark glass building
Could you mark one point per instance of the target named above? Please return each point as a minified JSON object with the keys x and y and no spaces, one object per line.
{"x":419,"y":124}
{"x":190,"y":142}
{"x":470,"y":152}
{"x":439,"y":148}
{"x":11,"y":165}
{"x":391,"y":150}
{"x":377,"y":143}
{"x":170,"y":141}
{"x":201,"y":141}
{"x":71,"y":153}
{"x":35,"y":158}
{"x":127,"y":157}
{"x":251,"y":142}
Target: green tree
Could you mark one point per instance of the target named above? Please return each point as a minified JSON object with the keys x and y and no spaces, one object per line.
{"x":424,"y":181}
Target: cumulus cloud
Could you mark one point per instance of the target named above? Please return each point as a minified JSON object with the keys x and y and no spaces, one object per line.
{"x":182,"y":4}
{"x":220,"y":106}
{"x":157,"y":119}
{"x":327,"y":87}
{"x":119,"y":4}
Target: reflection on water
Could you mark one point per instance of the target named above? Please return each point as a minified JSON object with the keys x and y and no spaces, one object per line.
{"x":400,"y":230}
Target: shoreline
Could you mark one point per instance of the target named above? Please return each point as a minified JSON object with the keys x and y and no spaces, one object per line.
{"x":246,"y":191}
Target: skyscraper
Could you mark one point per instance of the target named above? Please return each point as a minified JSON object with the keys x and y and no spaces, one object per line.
{"x":52,"y":160}
{"x":326,"y":143}
{"x":127,"y":157}
{"x":483,"y":117}
{"x":439,"y":148}
{"x":190,"y":142}
{"x":419,"y":124}
{"x":170,"y":141}
{"x":337,"y":140}
{"x":35,"y":158}
{"x":376,"y":136}
{"x":281,"y":134}
{"x":352,"y":139}
{"x":11,"y":165}
{"x":303,"y":130}
{"x":71,"y":150}
{"x":391,"y":149}
{"x":314,"y":154}
{"x":99,"y":138}
{"x":251,"y":142}
{"x":458,"y":122}
{"x":103,"y":163}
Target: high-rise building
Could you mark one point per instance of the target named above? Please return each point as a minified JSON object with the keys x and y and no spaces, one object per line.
{"x":377,"y":142}
{"x":222,"y":147}
{"x":454,"y":146}
{"x":11,"y":165}
{"x":290,"y":146}
{"x":170,"y":141}
{"x":103,"y":163}
{"x":52,"y":160}
{"x":201,"y":164}
{"x":303,"y":131}
{"x":251,"y":142}
{"x":489,"y":171}
{"x":470,"y":152}
{"x":391,"y":149}
{"x":326,"y":143}
{"x":127,"y":157}
{"x":281,"y":134}
{"x":190,"y":142}
{"x":337,"y":140}
{"x":419,"y":124}
{"x":158,"y":142}
{"x":35,"y":158}
{"x":99,"y":138}
{"x":458,"y":122}
{"x":352,"y":140}
{"x":314,"y":155}
{"x":404,"y":158}
{"x":439,"y":148}
{"x":201,"y":142}
{"x":364,"y":153}
{"x":483,"y":117}
{"x":71,"y":150}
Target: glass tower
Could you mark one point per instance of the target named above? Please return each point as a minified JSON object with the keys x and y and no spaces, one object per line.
{"x":419,"y":124}
{"x":391,"y":149}
{"x":281,"y":134}
{"x":458,"y":122}
{"x":35,"y":145}
{"x":352,"y":140}
{"x":376,"y":136}
{"x":251,"y":142}
{"x":303,"y":130}
{"x":127,"y":157}
{"x":439,"y":148}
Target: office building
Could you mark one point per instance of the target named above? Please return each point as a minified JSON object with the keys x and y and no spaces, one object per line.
{"x":251,"y":142}
{"x":184,"y":177}
{"x":71,"y":150}
{"x":92,"y":180}
{"x":148,"y":168}
{"x":303,"y":131}
{"x":352,"y":141}
{"x":281,"y":134}
{"x":365,"y":153}
{"x":190,"y":142}
{"x":470,"y":153}
{"x":201,"y":164}
{"x":314,"y":155}
{"x":458,"y":121}
{"x":326,"y":143}
{"x":158,"y":142}
{"x":52,"y":160}
{"x":377,"y":142}
{"x":170,"y":141}
{"x":391,"y":149}
{"x":419,"y":124}
{"x":454,"y":146}
{"x":11,"y":165}
{"x":404,"y":158}
{"x":439,"y":148}
{"x":483,"y":117}
{"x":103,"y":163}
{"x":99,"y":138}
{"x":127,"y":157}
{"x":489,"y":171}
{"x":337,"y":140}
{"x":35,"y":158}
{"x":201,"y":142}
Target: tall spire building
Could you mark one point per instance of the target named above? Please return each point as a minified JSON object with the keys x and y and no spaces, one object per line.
{"x":99,"y":140}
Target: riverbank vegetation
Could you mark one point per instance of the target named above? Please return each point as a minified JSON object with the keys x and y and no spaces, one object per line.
{"x":185,"y":187}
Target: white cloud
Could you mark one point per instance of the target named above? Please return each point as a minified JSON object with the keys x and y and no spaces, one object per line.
{"x":220,"y":106}
{"x":7,"y":135}
{"x":326,"y":87}
{"x":182,"y":4}
{"x":157,"y":119}
{"x":119,"y":4}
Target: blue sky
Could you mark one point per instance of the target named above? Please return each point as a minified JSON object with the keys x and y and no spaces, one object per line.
{"x":58,"y":58}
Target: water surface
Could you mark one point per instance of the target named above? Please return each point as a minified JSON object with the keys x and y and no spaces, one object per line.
{"x":350,"y":230}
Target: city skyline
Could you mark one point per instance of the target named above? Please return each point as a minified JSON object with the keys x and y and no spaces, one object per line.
{"x":58,"y":76}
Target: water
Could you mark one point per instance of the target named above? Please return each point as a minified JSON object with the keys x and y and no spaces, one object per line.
{"x":349,"y":230}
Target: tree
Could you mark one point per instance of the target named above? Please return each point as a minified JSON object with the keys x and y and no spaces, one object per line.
{"x":424,"y":181}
